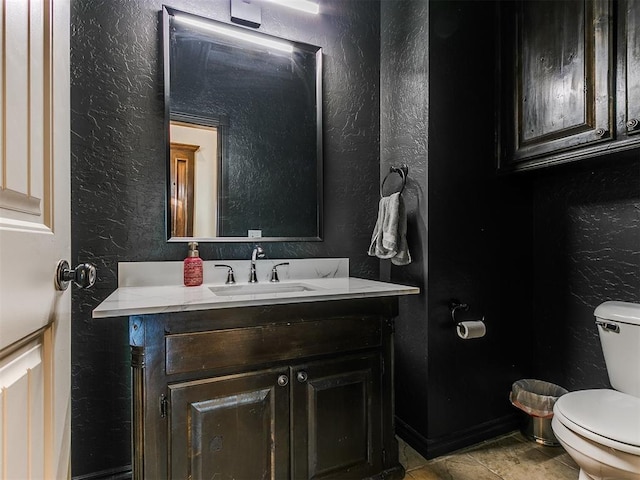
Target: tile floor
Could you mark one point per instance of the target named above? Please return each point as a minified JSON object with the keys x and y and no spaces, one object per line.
{"x":509,"y":457}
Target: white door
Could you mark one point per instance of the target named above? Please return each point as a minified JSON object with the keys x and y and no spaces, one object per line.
{"x":34,"y":234}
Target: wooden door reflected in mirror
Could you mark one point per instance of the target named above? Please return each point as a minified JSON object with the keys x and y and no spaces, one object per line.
{"x":182,"y":179}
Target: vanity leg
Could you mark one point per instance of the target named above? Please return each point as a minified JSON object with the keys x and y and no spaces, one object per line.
{"x":137,"y":421}
{"x":392,"y":466}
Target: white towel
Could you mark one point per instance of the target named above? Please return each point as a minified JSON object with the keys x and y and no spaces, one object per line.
{"x":389,"y":239}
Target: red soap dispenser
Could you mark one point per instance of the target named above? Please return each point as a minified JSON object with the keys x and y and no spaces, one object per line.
{"x":193,"y":267}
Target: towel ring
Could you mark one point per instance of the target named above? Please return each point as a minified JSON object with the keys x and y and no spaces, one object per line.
{"x":402,"y":171}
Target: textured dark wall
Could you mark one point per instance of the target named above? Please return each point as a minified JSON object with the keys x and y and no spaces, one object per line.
{"x":535,"y":253}
{"x":470,"y":230}
{"x":479,"y":235}
{"x":587,"y":251}
{"x":404,"y":117}
{"x":118,"y":177}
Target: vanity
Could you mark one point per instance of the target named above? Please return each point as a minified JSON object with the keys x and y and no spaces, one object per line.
{"x":285,"y":380}
{"x":288,"y":373}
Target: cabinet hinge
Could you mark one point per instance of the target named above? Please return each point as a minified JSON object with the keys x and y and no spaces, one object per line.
{"x":384,"y":457}
{"x":163,"y":405}
{"x":391,"y":323}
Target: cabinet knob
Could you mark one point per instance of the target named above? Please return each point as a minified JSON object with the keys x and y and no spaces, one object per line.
{"x":600,"y":132}
{"x":302,"y":376}
{"x":283,"y":380}
{"x":632,"y":124}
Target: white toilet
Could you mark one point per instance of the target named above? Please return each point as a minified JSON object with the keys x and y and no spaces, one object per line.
{"x":600,"y":428}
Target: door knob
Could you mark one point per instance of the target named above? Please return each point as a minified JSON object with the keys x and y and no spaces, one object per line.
{"x":302,"y":376}
{"x":283,"y":380}
{"x":632,"y":124}
{"x":84,"y":275}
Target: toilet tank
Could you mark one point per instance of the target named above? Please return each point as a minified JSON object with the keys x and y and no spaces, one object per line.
{"x":619,"y":328}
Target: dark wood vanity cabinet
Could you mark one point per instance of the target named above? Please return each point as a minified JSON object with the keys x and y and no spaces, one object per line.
{"x":300,"y":391}
{"x":336,"y":415}
{"x":235,"y":426}
{"x":568,"y":84}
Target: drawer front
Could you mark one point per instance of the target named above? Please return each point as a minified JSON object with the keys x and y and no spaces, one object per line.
{"x":189,"y":352}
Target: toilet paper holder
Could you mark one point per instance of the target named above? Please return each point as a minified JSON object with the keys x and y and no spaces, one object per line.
{"x":454,"y":306}
{"x":468,"y":329}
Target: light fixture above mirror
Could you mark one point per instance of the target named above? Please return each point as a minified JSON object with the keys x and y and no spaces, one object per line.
{"x":303,"y":5}
{"x":233,"y":32}
{"x":249,"y":12}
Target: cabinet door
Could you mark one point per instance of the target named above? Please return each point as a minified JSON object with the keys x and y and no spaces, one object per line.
{"x":230,"y":427}
{"x":558,"y":59}
{"x":336,"y":412}
{"x":631,"y":108}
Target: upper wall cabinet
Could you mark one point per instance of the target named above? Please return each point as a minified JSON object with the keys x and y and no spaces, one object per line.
{"x":569,"y":87}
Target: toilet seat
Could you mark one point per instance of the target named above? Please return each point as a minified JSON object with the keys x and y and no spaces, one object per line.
{"x":607,"y":417}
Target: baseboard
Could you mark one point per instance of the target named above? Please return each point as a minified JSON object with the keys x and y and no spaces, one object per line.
{"x":434,"y":447}
{"x":120,"y":473}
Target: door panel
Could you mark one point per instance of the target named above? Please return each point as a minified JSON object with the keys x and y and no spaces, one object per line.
{"x":230,"y":427}
{"x":34,"y":234}
{"x":22,"y":411}
{"x":558,"y":66}
{"x":550,"y":63}
{"x":182,"y":188}
{"x":336,"y":419}
{"x":633,"y":66}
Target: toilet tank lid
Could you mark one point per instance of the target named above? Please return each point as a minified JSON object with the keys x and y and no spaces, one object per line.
{"x":624,"y":312}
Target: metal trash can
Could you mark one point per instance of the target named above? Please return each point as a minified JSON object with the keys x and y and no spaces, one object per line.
{"x":536,"y":399}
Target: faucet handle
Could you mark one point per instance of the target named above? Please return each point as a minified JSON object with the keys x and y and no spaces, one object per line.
{"x":274,"y":271}
{"x":230,"y":277}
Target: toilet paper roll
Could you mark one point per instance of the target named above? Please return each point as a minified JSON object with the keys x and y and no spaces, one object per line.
{"x":469,"y":330}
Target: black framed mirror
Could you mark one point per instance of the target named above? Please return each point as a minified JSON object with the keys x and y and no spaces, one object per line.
{"x":243,"y":114}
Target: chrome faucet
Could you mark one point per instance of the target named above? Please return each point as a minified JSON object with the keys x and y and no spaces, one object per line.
{"x":258,"y":252}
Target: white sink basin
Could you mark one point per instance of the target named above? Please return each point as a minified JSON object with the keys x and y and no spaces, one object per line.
{"x":261,"y":288}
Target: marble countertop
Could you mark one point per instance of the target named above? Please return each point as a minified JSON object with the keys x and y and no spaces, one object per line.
{"x":178,"y":298}
{"x":165,"y":296}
